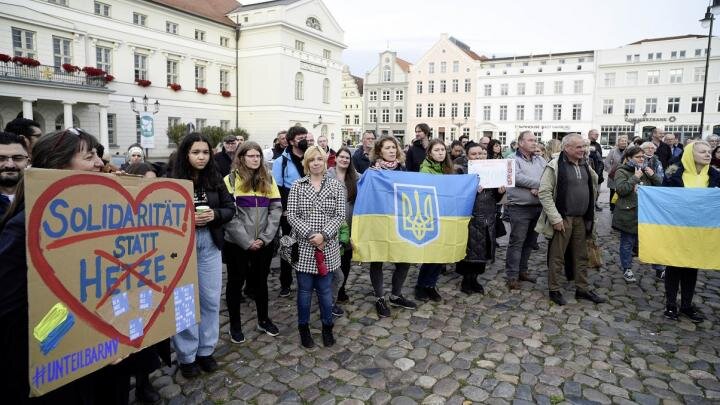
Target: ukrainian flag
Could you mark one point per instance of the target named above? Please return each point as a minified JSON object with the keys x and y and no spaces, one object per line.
{"x":679,"y":226}
{"x":412,"y":217}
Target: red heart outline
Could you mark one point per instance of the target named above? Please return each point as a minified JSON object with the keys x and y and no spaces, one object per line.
{"x":48,"y":275}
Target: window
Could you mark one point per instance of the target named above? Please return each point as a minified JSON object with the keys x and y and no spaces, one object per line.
{"x":696,"y":105}
{"x":385,"y":115}
{"x":629,"y":106}
{"x":299,"y":45}
{"x":698,"y":52}
{"x":557,"y":112}
{"x":502,"y":137}
{"x":431,"y":67}
{"x":373,"y":95}
{"x":441,"y":110}
{"x":387,"y":74}
{"x":58,"y":2}
{"x":327,"y":54}
{"x":443,"y":67}
{"x":102,"y":9}
{"x":103,"y":58}
{"x":676,"y":75}
{"x":609,"y":133}
{"x":503,"y":113}
{"x":419,"y":87}
{"x":456,"y":66}
{"x":608,"y":107}
{"x":609,"y":80}
{"x":398,"y":115}
{"x":225,"y":125}
{"x":431,"y":86}
{"x":311,"y":22}
{"x":521,"y":89}
{"x":538,"y":112}
{"x":699,"y":74}
{"x":650,"y":56}
{"x":455,"y":85}
{"x":347,"y":120}
{"x":651,"y":105}
{"x":468,"y":85}
{"x":576,"y":112}
{"x":171,"y":27}
{"x":200,"y":123}
{"x":466,"y":110}
{"x":225,"y":41}
{"x":487,"y":112}
{"x":466,"y":131}
{"x":673,"y":105}
{"x":200,"y":35}
{"x":504,"y":89}
{"x":443,"y":86}
{"x":631,"y":78}
{"x":578,"y":87}
{"x":386,"y":95}
{"x":539,"y":88}
{"x":628,"y":58}
{"x":653,"y":76}
{"x":520,"y":112}
{"x":62,"y":51}
{"x":356,"y":119}
{"x":23,"y":43}
{"x":454,"y":110}
{"x":199,"y":76}
{"x":224,"y":80}
{"x":299,"y":86}
{"x":673,"y":55}
{"x":112,"y":135}
{"x":418,"y":110}
{"x":172,"y":71}
{"x":140,"y":62}
{"x":326,"y":91}
{"x":373,"y":115}
{"x":636,"y":57}
{"x":430,"y":110}
{"x":140,"y":19}
{"x":399,"y":95}
{"x":658,"y":55}
{"x":488,"y":90}
{"x":558,"y":87}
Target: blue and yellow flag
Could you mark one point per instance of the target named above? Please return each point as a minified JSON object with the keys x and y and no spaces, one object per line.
{"x":412,"y":217}
{"x":679,"y":226}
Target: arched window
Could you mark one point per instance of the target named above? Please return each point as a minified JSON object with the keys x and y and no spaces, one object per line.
{"x":313,"y":23}
{"x":60,"y":122}
{"x":324,"y":131}
{"x":326,"y":91}
{"x":387,"y":75}
{"x":299,"y":86}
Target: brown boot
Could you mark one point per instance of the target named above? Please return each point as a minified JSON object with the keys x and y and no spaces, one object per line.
{"x":513,"y":285}
{"x":527,"y":277}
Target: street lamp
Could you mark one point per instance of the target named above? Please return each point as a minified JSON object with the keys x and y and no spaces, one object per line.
{"x":145,"y":103}
{"x":707,"y":22}
{"x":319,"y":122}
{"x":458,"y":124}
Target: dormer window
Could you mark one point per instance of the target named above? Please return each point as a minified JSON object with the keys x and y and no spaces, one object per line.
{"x":313,"y":23}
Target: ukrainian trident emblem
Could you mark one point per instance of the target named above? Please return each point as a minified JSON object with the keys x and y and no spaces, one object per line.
{"x":417,"y":213}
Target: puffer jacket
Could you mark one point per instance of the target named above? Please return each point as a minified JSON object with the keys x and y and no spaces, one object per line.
{"x":259,"y":213}
{"x":430,"y":167}
{"x":481,"y":228}
{"x":625,"y":216}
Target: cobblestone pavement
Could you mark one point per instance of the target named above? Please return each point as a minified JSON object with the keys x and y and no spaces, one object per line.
{"x":500,"y":348}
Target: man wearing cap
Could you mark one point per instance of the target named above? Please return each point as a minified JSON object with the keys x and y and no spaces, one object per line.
{"x":224,"y":158}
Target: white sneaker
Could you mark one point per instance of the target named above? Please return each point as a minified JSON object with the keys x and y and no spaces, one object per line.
{"x":629,"y":276}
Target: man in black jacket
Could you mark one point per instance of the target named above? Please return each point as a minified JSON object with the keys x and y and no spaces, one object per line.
{"x":596,"y":159}
{"x":361,"y":157}
{"x":416,"y":154}
{"x":663,"y":151}
{"x":224,"y":158}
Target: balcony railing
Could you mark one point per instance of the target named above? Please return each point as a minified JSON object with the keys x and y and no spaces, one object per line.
{"x":50,"y":75}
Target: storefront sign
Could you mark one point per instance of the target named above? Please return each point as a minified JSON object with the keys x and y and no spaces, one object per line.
{"x":637,"y":120}
{"x":565,"y":127}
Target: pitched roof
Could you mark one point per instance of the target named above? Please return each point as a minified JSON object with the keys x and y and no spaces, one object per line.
{"x":538,"y":56}
{"x":214,"y":10}
{"x":668,"y":38}
{"x":404,"y":65}
{"x":463,"y":47}
{"x":240,"y":7}
{"x":359,"y":83}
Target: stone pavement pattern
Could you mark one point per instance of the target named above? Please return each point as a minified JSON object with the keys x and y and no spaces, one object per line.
{"x":500,"y":348}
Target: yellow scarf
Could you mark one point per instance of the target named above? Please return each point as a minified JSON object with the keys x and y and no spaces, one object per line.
{"x":691,"y":177}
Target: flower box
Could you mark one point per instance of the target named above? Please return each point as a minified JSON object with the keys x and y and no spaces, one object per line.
{"x":226,"y":93}
{"x":143,"y":82}
{"x":175,"y":86}
{"x":201,"y":90}
{"x":70,"y":68}
{"x":109,"y":78}
{"x":5,"y":58}
{"x":21,"y":60}
{"x":93,"y":71}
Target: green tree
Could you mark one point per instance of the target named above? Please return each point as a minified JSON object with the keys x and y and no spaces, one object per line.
{"x":176,"y":133}
{"x":239,"y":132}
{"x":216,"y":134}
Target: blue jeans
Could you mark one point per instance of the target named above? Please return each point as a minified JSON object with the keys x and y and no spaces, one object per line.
{"x":523,"y":237}
{"x":627,"y":243}
{"x":200,"y":339}
{"x":307,"y":282}
{"x":428,"y":275}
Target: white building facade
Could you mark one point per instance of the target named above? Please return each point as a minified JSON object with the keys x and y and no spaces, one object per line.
{"x":549,"y":94}
{"x":657,"y":83}
{"x":352,"y":103}
{"x":183,"y":56}
{"x":385,"y":96}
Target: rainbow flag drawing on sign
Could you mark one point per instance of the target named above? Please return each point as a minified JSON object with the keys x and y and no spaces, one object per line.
{"x":679,"y":226}
{"x":412,"y":217}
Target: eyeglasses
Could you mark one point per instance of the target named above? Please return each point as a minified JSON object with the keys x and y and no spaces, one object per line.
{"x":14,"y":158}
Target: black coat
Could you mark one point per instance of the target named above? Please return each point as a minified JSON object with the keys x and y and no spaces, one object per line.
{"x":481,"y":228}
{"x":415,"y":156}
{"x":664,"y":154}
{"x":223,"y":162}
{"x":360,"y":161}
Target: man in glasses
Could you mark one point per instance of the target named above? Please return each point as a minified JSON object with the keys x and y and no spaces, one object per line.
{"x":224,"y":158}
{"x":13,"y":160}
{"x":27,"y":128}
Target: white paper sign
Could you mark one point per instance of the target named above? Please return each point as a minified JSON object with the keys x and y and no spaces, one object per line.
{"x":494,"y":173}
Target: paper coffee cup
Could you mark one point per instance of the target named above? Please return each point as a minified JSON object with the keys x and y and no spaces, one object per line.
{"x":201,"y":208}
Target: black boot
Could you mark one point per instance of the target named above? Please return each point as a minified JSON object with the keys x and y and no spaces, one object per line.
{"x":305,"y":337}
{"x":327,"y":335}
{"x":145,"y":393}
{"x":466,"y":285}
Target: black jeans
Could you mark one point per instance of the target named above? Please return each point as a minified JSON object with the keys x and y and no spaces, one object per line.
{"x":286,"y":275}
{"x":680,"y":278}
{"x":398,"y":278}
{"x":345,"y":261}
{"x":254,"y":266}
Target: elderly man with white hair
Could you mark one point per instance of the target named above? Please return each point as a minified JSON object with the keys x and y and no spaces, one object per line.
{"x":568,"y":188}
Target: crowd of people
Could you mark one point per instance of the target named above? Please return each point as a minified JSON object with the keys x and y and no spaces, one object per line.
{"x":298,"y":198}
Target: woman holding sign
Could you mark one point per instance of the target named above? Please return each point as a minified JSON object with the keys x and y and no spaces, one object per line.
{"x":213,"y":208}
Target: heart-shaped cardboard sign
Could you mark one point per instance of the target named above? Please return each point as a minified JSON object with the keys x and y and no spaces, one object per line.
{"x":111,"y":269}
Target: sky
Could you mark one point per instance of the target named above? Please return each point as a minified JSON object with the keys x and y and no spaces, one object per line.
{"x":506,"y":27}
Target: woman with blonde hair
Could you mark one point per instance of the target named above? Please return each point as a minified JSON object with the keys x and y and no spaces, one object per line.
{"x":552,"y":149}
{"x":316,"y":210}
